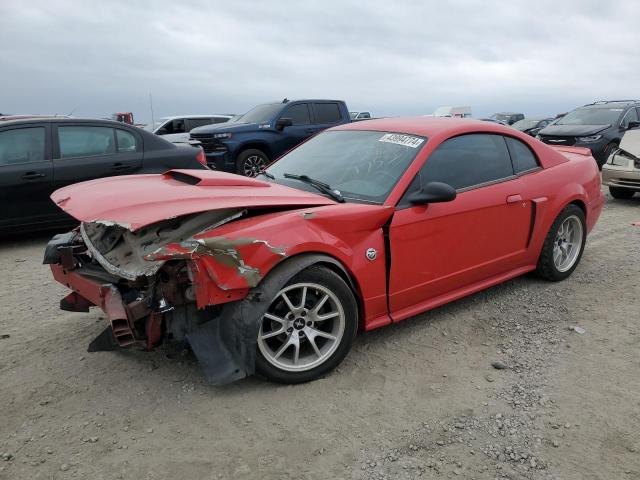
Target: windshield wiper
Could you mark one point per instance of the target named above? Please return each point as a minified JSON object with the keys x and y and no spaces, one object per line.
{"x":267,"y":174}
{"x":323,"y":187}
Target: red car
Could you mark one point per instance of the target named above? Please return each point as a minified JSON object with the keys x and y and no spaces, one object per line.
{"x":361,"y":226}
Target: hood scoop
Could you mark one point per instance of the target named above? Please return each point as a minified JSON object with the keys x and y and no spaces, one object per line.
{"x":208,"y":178}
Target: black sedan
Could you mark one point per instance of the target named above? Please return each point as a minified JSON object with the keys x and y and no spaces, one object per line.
{"x":532,"y":126}
{"x":41,"y":154}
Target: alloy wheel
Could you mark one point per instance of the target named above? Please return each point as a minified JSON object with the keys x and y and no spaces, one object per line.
{"x":302,"y":327}
{"x":567,"y":244}
{"x":254,"y":165}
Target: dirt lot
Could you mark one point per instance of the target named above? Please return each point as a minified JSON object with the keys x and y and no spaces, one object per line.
{"x":417,"y":399}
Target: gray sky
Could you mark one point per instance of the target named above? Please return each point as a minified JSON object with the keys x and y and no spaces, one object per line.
{"x":393,"y":58}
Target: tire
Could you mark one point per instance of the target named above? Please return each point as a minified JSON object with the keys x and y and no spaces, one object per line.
{"x":621,"y":192}
{"x":550,"y":266}
{"x":251,"y":162}
{"x":280,"y":325}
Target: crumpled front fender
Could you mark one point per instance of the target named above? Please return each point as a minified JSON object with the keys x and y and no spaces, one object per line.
{"x":226,"y":345}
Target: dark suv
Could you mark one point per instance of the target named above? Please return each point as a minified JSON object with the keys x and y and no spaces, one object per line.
{"x":261,"y":135}
{"x":598,"y":126}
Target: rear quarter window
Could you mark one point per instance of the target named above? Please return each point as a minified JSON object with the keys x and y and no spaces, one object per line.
{"x":521,"y":155}
{"x":327,"y":113}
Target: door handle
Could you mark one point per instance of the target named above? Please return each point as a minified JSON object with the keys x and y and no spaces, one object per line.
{"x":119,"y":167}
{"x":514,"y":198}
{"x":32,"y":175}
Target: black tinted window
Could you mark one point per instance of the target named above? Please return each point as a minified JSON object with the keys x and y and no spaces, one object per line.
{"x":23,"y":145}
{"x":199,"y":122}
{"x":85,"y":141}
{"x":468,"y":160}
{"x":523,"y":157}
{"x":327,"y":112}
{"x":299,"y":114}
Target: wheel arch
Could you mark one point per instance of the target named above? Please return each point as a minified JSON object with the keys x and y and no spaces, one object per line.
{"x":255,"y":145}
{"x":301,"y":261}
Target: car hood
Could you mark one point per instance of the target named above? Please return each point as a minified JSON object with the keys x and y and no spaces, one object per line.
{"x":573,"y":130}
{"x":136,"y":201}
{"x":229,"y":127}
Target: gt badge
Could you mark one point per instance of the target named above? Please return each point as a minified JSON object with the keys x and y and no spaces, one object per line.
{"x":371,"y":254}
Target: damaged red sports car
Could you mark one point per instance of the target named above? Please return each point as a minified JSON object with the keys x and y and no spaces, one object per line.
{"x":361,"y":226}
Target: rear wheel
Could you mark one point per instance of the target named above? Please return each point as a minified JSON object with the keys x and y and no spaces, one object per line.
{"x":308,"y":328}
{"x":564,"y":245}
{"x":251,"y":163}
{"x":621,"y":192}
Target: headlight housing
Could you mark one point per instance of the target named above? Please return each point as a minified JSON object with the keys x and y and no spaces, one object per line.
{"x":590,"y":138}
{"x":223,"y":136}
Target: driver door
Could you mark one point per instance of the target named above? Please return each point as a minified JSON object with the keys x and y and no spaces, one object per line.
{"x":439,"y":248}
{"x":293,"y":135}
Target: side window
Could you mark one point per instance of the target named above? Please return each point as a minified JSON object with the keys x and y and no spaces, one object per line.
{"x":22,"y":145}
{"x":220,"y":119}
{"x":299,"y":114}
{"x":199,"y":122}
{"x":365,"y":115}
{"x":522,"y":156}
{"x":80,"y":141}
{"x":468,"y":160}
{"x":631,"y":116}
{"x":177,"y":126}
{"x":327,"y":112}
{"x":126,"y":141}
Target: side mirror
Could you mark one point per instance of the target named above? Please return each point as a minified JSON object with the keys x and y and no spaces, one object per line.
{"x":633,"y":125}
{"x":433,"y":192}
{"x":283,"y":122}
{"x":162,"y":131}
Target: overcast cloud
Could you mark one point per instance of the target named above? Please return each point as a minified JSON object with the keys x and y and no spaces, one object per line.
{"x":393,"y":58}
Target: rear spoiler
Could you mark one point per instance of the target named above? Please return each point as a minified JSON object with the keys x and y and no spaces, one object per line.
{"x":577,"y":150}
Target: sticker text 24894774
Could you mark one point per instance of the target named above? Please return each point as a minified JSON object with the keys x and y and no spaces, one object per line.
{"x":399,"y":139}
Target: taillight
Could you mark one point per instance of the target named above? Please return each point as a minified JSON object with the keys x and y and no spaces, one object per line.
{"x":201,"y":157}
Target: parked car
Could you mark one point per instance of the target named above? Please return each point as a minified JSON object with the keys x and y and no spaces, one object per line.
{"x":597,"y":126}
{"x":276,"y":274}
{"x":176,"y":129}
{"x":360,"y":115}
{"x":532,"y":126}
{"x":508,"y":117}
{"x":261,"y":135}
{"x":494,"y":121}
{"x":457,"y":112}
{"x":40,"y":155}
{"x":621,"y":173}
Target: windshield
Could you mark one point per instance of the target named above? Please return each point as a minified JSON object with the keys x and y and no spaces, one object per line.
{"x":151,"y":127}
{"x":361,"y":165}
{"x":260,"y":114}
{"x":591,"y":116}
{"x":525,"y":124}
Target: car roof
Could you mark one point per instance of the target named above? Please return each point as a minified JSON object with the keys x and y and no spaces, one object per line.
{"x":226,"y":115}
{"x":611,"y":104}
{"x":62,"y":120}
{"x":427,"y":126}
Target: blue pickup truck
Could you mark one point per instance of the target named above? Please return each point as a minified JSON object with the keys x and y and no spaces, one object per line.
{"x":248,"y":144}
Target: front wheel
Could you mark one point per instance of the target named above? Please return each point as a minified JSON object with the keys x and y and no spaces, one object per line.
{"x":621,"y":192}
{"x":251,"y":163}
{"x":308,"y":328}
{"x":563,"y":247}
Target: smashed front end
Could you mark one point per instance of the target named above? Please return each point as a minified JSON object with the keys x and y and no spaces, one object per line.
{"x":170,"y":280}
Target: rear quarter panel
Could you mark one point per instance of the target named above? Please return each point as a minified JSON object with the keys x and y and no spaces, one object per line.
{"x":569,"y":177}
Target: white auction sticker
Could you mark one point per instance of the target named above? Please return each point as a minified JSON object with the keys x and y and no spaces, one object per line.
{"x":399,"y":139}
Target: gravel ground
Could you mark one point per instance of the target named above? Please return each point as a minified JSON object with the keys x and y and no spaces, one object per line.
{"x":420,"y":399}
